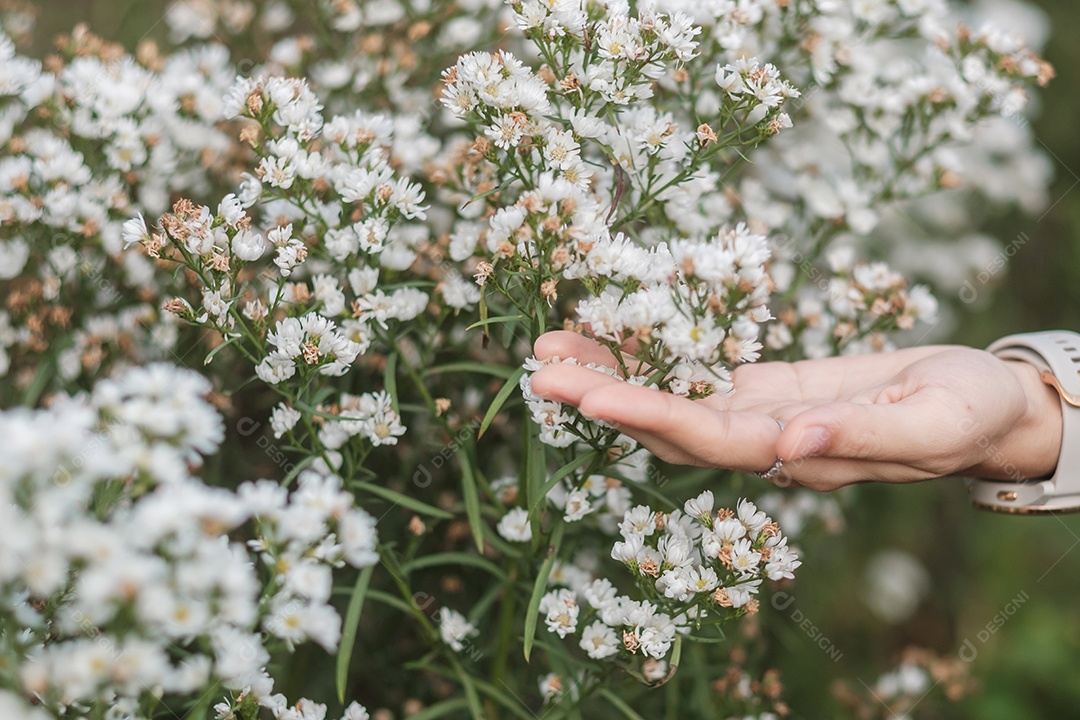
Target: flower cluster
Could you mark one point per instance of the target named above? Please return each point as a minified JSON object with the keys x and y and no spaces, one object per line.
{"x":89,"y":139}
{"x":370,"y":415}
{"x":120,"y":577}
{"x":701,"y":315}
{"x":920,"y":674}
{"x":312,"y":339}
{"x":561,"y":426}
{"x":499,"y":92}
{"x":616,"y":57}
{"x":857,"y":305}
{"x":692,"y":311}
{"x":695,"y":567}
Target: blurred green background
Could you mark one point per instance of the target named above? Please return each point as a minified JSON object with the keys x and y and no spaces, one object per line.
{"x":977,"y":562}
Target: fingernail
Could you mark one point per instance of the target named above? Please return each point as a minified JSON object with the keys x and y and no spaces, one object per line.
{"x":813,"y":441}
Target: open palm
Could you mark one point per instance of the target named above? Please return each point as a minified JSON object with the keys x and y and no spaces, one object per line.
{"x":899,"y":416}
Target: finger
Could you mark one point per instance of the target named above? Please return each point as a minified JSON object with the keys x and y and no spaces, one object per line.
{"x":565,"y":344}
{"x":661,"y":449}
{"x":827,"y":474}
{"x":736,"y":440}
{"x":568,"y":383}
{"x":918,"y":431}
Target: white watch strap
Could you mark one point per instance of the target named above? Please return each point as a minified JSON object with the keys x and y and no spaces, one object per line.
{"x":1058,"y":353}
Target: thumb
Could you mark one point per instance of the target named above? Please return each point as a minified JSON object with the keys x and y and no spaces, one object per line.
{"x":900,"y":431}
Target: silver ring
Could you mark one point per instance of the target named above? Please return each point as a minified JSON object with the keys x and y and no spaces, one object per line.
{"x":778,"y":467}
{"x":773,"y":472}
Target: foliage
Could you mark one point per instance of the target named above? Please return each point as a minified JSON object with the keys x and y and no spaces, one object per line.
{"x":701,"y":187}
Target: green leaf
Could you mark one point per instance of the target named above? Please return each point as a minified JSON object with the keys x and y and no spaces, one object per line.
{"x":44,"y":374}
{"x":481,"y":196}
{"x":440,"y":709}
{"x":508,"y":334}
{"x":535,"y":475}
{"x":537,"y":502}
{"x":513,"y":704}
{"x":472,"y":498}
{"x":391,"y":380}
{"x":649,"y":488}
{"x":676,"y":655}
{"x":399,"y":499}
{"x":704,"y":639}
{"x":500,"y":399}
{"x":200,"y":709}
{"x":559,"y":654}
{"x":619,"y":704}
{"x":392,"y":600}
{"x":471,"y":695}
{"x":483,"y":605}
{"x":297,"y":469}
{"x":455,"y":558}
{"x":475,"y":367}
{"x":322,"y":394}
{"x":495,"y":321}
{"x":210,"y":355}
{"x":483,"y":304}
{"x":510,"y":702}
{"x":532,"y":614}
{"x":348,"y":630}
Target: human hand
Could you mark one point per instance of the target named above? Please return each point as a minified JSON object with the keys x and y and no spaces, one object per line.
{"x":900,"y":416}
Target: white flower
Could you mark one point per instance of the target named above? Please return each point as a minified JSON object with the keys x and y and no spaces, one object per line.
{"x":744,"y":559}
{"x":782,"y":563}
{"x":640,"y":520}
{"x":283,"y":419}
{"x":248,"y":245}
{"x":560,"y":149}
{"x":506,"y":132}
{"x":676,"y":549}
{"x":742,"y":593}
{"x":599,"y":593}
{"x":675,"y":584}
{"x":134,"y":231}
{"x":363,"y":280}
{"x":628,"y":551}
{"x":250,"y":190}
{"x":701,"y":506}
{"x":599,"y":641}
{"x":702,"y":579}
{"x":577,"y":505}
{"x":275,"y":368}
{"x":458,"y":292}
{"x":729,"y":530}
{"x":551,"y":687}
{"x":455,"y":629}
{"x":327,"y":292}
{"x":751,"y":518}
{"x":561,"y":609}
{"x":514,"y":525}
{"x":231,"y":209}
{"x":586,"y":124}
{"x":355,"y":711}
{"x":356,"y":531}
{"x":656,"y":635}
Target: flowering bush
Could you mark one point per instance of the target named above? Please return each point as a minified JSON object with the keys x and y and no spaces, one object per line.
{"x":353,"y":222}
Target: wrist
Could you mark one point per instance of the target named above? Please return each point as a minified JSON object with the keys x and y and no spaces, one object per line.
{"x":1043,"y":444}
{"x":1037,"y":435}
